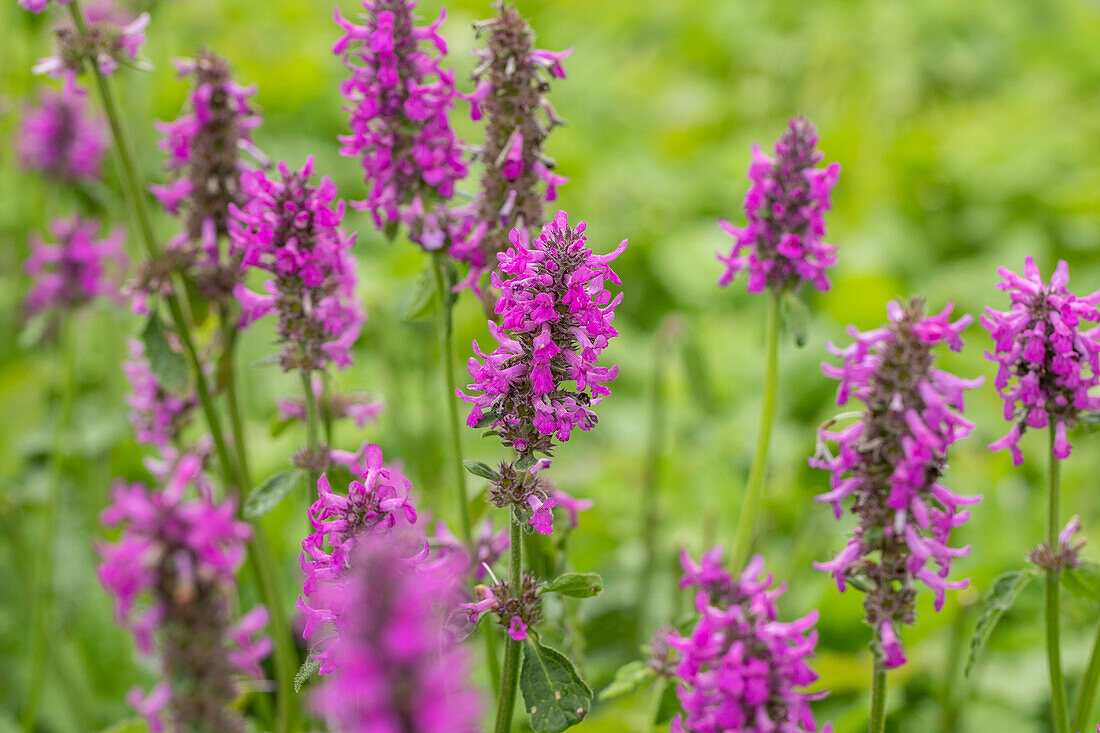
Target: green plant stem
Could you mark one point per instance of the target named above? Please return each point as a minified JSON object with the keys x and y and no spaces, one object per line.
{"x":312,"y":423}
{"x":446,"y":355}
{"x":42,"y":602}
{"x":1053,"y":600}
{"x":878,"y":699}
{"x":236,"y":482}
{"x":1083,"y":712}
{"x":510,"y":676}
{"x":488,"y":632}
{"x":228,"y":379}
{"x":750,"y":509}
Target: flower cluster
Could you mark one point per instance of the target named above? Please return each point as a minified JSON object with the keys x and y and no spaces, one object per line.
{"x":375,"y":503}
{"x":289,"y":228}
{"x":60,"y":139}
{"x":396,"y":666}
{"x":183,"y":553}
{"x":781,"y":245}
{"x":156,"y":414}
{"x":332,"y":405}
{"x":739,"y":668}
{"x":516,"y":613}
{"x":204,"y":146}
{"x":890,"y":462}
{"x":399,"y":101}
{"x":513,"y":78}
{"x":1047,"y":359}
{"x":1068,"y":553}
{"x":75,"y":270}
{"x":556,"y":317}
{"x":106,"y":42}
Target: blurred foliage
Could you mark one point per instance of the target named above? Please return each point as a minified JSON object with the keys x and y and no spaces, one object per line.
{"x":969,"y":136}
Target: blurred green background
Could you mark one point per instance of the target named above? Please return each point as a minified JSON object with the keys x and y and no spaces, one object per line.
{"x":969,"y":137}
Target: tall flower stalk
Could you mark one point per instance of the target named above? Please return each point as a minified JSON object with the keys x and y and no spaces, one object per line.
{"x":889,"y":461}
{"x":1048,"y":359}
{"x":781,"y":248}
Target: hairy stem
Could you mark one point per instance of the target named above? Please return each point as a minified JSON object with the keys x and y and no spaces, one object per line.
{"x":1053,"y":601}
{"x":878,"y":698}
{"x":446,"y":355}
{"x":750,"y":509}
{"x":510,"y":677}
{"x":42,"y":601}
{"x":235,"y":481}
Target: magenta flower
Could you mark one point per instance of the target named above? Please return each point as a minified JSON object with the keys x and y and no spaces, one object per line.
{"x":61,"y":139}
{"x":75,"y":270}
{"x":182,"y":554}
{"x":375,"y":503}
{"x":289,"y":228}
{"x":156,"y":414}
{"x":515,"y":613}
{"x":890,"y":461}
{"x":740,"y":668}
{"x":513,"y":78}
{"x":781,"y":245}
{"x":107,"y":42}
{"x":556,"y":316}
{"x":399,"y":100}
{"x":397,"y":667}
{"x":489,"y":546}
{"x":1047,"y":358}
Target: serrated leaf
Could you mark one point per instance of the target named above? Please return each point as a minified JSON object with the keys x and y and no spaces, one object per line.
{"x":266,"y":497}
{"x":796,"y":318}
{"x":486,"y":420}
{"x":525,"y":462}
{"x":554,"y":694}
{"x":576,"y":585}
{"x":1084,"y":581}
{"x":1002,"y":594}
{"x":307,"y":670}
{"x":483,"y":470}
{"x":421,"y":301}
{"x":167,"y":365}
{"x":629,"y":678}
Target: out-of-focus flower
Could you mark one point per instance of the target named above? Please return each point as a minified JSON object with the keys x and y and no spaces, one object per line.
{"x":156,"y":414}
{"x":332,"y":405}
{"x":75,"y":270}
{"x":107,"y":42}
{"x":60,"y":139}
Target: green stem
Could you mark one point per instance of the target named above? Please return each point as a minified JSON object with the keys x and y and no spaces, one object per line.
{"x":228,"y":380}
{"x":652,"y":717}
{"x":488,"y":632}
{"x":750,"y":509}
{"x":446,"y":349}
{"x":1088,"y":687}
{"x":42,"y":603}
{"x":878,"y":699}
{"x":236,"y":481}
{"x":312,"y":422}
{"x":1053,"y":600}
{"x":510,"y":678}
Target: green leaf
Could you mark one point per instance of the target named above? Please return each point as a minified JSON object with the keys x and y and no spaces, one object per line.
{"x":278,"y":425}
{"x":796,"y":318}
{"x":629,"y":678}
{"x":421,"y":301}
{"x":576,"y":585}
{"x":1084,"y":581}
{"x":525,"y":462}
{"x":390,"y":230}
{"x":266,"y":497}
{"x":554,"y":694}
{"x":478,"y":468}
{"x":129,"y":725}
{"x":487,"y":419}
{"x":168,"y":365}
{"x":307,"y":670}
{"x":477,"y":504}
{"x":1002,"y":594}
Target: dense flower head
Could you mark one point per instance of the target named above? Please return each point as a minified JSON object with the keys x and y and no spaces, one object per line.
{"x":739,"y":668}
{"x":399,"y":101}
{"x":781,"y":245}
{"x":156,"y":413}
{"x":203,"y":148}
{"x":397,"y":666}
{"x":556,"y":316}
{"x":182,"y":553}
{"x":76,"y":269}
{"x":1067,"y":555}
{"x":108,"y":41}
{"x":1047,"y":357}
{"x":61,"y":139}
{"x":890,"y":461}
{"x":513,"y":79}
{"x":289,"y":228}
{"x":515,"y":612}
{"x":375,"y":503}
{"x":332,"y":405}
